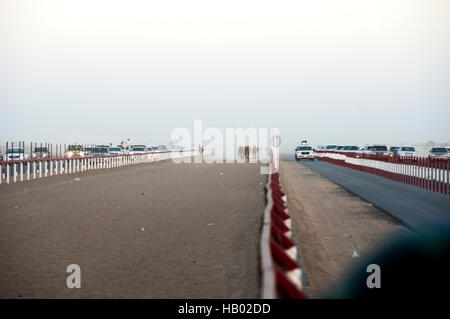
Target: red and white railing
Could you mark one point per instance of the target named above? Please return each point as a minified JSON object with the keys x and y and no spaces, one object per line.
{"x":430,"y":174}
{"x":21,"y":170}
{"x":281,"y":274}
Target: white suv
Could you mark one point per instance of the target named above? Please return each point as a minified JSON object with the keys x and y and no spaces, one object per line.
{"x":304,"y":151}
{"x":375,"y":149}
{"x":406,"y":151}
{"x":16,"y":154}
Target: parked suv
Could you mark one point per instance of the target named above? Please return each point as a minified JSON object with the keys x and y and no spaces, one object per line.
{"x":350,"y":149}
{"x":406,"y":151}
{"x":40,"y":152}
{"x":331,"y":147}
{"x":137,"y":149}
{"x":88,"y":151}
{"x":154,"y":149}
{"x":74,"y":151}
{"x":375,"y":149}
{"x":101,"y":150}
{"x":393,"y":150}
{"x":438,"y":152}
{"x":16,"y":154}
{"x":115,"y":151}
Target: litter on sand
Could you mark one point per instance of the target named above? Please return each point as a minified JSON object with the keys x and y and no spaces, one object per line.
{"x":76,"y":179}
{"x":355,"y":254}
{"x":211,"y":224}
{"x":143,"y":193}
{"x":221,"y":174}
{"x":142,"y":229}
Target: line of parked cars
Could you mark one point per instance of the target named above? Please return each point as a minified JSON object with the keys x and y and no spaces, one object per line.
{"x":76,"y":150}
{"x":102,"y":150}
{"x":437,"y":152}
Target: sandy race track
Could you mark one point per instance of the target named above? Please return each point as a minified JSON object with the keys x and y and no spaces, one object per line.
{"x":158,"y":230}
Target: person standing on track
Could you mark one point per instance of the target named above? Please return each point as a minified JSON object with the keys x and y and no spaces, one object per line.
{"x":254,"y":153}
{"x":201,"y":149}
{"x":247,"y":154}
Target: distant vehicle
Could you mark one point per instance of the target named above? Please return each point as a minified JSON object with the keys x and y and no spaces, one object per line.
{"x":40,"y":152}
{"x":88,"y":151}
{"x":154,"y":148}
{"x":16,"y":154}
{"x":406,"y":151}
{"x":331,"y":148}
{"x":116,"y":151}
{"x":393,"y":150}
{"x":133,"y":146}
{"x":367,"y":149}
{"x":74,"y":151}
{"x":124,"y":150}
{"x":350,"y":149}
{"x":101,"y":150}
{"x":438,"y":153}
{"x":104,"y":146}
{"x":138,"y":150}
{"x":162,"y":148}
{"x":380,"y":149}
{"x":448,"y":149}
{"x":304,"y":152}
{"x":376,"y":149}
{"x":339,"y":148}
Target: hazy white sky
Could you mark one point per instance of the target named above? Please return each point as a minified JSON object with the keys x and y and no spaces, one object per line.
{"x":342,"y":71}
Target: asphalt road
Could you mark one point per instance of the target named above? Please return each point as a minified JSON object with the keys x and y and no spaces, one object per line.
{"x":157,"y":230}
{"x":416,"y":208}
